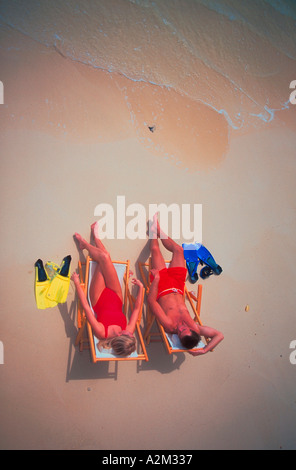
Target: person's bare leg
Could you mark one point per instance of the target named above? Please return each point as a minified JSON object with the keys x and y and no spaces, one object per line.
{"x":97,"y":285}
{"x":157,"y":261}
{"x":102,"y":257}
{"x":94,"y":252}
{"x":168,"y":243}
{"x":96,"y":235}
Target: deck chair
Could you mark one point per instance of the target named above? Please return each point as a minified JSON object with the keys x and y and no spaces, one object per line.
{"x":89,"y":341}
{"x":171,"y":341}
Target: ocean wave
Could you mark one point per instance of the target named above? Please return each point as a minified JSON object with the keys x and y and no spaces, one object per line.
{"x":236,"y":57}
{"x":285,"y":7}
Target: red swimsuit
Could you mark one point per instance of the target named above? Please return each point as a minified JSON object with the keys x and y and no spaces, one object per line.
{"x":172,"y":280}
{"x":108,"y":310}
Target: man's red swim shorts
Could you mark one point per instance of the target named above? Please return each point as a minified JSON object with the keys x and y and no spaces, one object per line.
{"x":171,"y":280}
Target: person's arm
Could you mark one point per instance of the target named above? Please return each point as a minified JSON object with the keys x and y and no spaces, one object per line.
{"x":215,"y":338}
{"x":137,"y":307}
{"x":154,"y":305}
{"x":96,"y":327}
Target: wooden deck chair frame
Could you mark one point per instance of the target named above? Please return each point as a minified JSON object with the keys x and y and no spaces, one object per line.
{"x":128,"y":302}
{"x":195,"y":303}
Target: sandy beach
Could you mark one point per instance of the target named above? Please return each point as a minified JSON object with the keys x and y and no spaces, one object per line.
{"x":75,"y":134}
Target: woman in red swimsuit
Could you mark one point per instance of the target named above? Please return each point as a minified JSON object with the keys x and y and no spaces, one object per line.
{"x":110,"y":324}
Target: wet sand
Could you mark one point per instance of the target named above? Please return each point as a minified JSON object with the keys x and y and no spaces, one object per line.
{"x":74,"y":137}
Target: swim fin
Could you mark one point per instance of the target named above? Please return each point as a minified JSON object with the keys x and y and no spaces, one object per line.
{"x":192,"y":261}
{"x":59,"y":286}
{"x":42,"y":283}
{"x":197,"y":253}
{"x":52,"y":269}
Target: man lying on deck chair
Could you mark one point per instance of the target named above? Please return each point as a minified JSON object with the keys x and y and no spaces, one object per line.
{"x":166,"y":299}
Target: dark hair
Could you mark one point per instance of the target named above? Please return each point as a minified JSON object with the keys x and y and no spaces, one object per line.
{"x":190,"y":341}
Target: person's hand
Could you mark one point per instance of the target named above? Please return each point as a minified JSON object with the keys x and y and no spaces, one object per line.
{"x":75,"y":278}
{"x":137,"y":282}
{"x":199,"y":352}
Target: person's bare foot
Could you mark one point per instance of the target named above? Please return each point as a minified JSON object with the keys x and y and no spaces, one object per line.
{"x":154,"y":228}
{"x":95,"y":230}
{"x":80,"y":241}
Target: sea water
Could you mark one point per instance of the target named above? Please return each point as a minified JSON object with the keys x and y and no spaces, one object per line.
{"x":179,"y":75}
{"x":234,"y":56}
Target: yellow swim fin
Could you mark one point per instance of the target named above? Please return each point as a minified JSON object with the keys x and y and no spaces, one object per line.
{"x":59,"y":286}
{"x":52,"y":269}
{"x":42,"y":284}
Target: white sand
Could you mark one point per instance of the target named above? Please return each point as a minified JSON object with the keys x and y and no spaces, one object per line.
{"x":52,"y":397}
